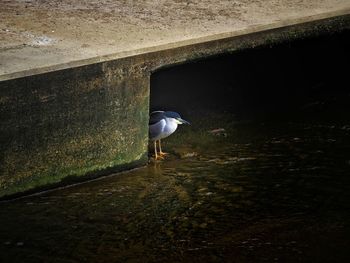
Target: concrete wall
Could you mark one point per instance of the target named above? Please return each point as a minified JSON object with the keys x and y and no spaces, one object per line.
{"x":82,"y":122}
{"x":74,"y":122}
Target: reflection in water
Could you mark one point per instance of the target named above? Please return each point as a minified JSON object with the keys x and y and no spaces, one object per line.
{"x":256,"y":192}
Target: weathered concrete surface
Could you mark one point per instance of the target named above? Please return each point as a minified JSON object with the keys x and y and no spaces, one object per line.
{"x":39,"y":36}
{"x":67,"y":112}
{"x":61,"y":125}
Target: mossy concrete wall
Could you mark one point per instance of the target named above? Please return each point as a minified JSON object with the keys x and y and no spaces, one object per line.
{"x":82,"y":122}
{"x":74,"y":122}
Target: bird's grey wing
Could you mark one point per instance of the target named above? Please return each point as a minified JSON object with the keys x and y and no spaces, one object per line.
{"x":155,"y":117}
{"x":156,"y":129}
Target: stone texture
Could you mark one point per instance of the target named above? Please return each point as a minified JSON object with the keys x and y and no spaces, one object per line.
{"x":40,"y":36}
{"x":88,"y":120}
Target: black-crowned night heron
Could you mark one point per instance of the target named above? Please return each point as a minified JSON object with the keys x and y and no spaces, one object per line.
{"x":161,"y":125}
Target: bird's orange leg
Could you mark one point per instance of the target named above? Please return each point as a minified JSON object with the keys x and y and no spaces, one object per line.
{"x":156,"y":155}
{"x":160,"y":150}
{"x":155,"y":150}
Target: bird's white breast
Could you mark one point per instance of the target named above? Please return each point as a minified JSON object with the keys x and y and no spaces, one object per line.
{"x":170,"y":127}
{"x":162,"y":128}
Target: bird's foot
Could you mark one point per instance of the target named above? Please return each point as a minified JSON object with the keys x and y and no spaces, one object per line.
{"x":163,"y":153}
{"x":158,"y":158}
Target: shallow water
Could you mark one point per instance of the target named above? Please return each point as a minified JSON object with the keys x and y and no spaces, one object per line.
{"x":245,"y":192}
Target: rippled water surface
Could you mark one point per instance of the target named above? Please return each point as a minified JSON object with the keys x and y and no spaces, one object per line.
{"x":229,"y":192}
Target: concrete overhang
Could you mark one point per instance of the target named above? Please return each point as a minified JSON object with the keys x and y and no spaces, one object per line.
{"x":38,"y":37}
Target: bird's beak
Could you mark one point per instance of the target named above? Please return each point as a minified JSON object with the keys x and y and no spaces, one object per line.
{"x":182,"y":121}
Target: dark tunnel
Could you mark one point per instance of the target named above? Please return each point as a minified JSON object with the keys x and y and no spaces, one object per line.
{"x":305,"y":78}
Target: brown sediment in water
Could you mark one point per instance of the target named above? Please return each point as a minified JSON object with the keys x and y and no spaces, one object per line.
{"x":244,"y":197}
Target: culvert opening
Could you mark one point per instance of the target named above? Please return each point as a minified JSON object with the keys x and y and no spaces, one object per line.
{"x":302,"y":80}
{"x":260,"y":82}
{"x":267,"y":154}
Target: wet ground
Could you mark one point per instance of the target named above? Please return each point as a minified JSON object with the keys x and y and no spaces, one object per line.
{"x":228,"y":192}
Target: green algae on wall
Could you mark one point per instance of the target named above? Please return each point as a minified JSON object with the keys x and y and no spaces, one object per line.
{"x":72,"y":123}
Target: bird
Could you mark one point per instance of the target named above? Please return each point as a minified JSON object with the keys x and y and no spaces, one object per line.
{"x":161,"y":125}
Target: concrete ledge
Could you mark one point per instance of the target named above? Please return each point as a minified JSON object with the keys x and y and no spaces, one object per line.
{"x":42,"y":36}
{"x":91,"y":117}
{"x":9,"y":72}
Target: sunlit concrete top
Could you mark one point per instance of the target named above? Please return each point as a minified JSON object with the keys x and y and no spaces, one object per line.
{"x":40,"y":35}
